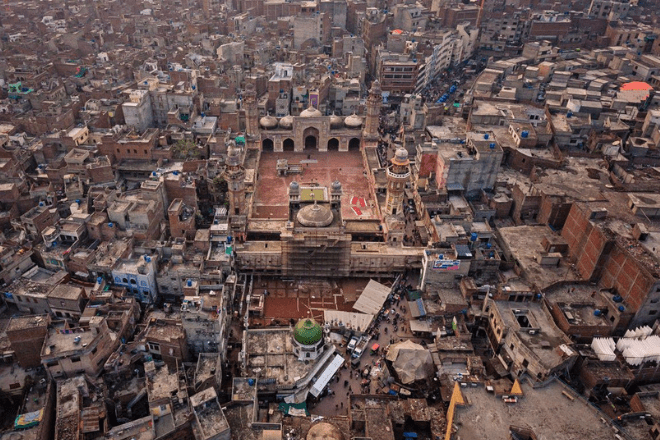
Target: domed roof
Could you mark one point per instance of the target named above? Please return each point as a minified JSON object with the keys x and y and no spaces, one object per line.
{"x":268,"y":121}
{"x":307,"y":332}
{"x":353,"y":121}
{"x":336,"y":121}
{"x":293,"y":186}
{"x":286,"y":122}
{"x":336,"y":185}
{"x":310,"y":112}
{"x":401,"y":154}
{"x":315,"y":216}
{"x":324,"y":431}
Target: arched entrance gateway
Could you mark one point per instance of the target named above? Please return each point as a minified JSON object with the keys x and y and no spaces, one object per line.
{"x":333,"y":144}
{"x":267,"y":145}
{"x":311,"y":138}
{"x":287,"y":145}
{"x":354,"y":144}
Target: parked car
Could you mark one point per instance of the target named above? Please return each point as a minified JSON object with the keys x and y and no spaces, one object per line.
{"x":351,"y":344}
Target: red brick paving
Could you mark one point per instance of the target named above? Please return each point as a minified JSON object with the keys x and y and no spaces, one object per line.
{"x":271,"y":193}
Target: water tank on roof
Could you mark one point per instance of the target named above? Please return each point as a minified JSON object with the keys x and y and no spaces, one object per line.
{"x":110,"y":225}
{"x":189,"y":282}
{"x":569,"y":114}
{"x":524,"y":134}
{"x":597,"y":312}
{"x":622,"y":309}
{"x":473,"y":236}
{"x":488,"y":245}
{"x":617,"y":298}
{"x":41,"y":203}
{"x":486,"y":136}
{"x":176,"y":173}
{"x":99,"y":280}
{"x":229,"y":239}
{"x":492,"y":145}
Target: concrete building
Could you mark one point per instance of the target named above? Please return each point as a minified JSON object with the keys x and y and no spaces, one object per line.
{"x":67,"y":301}
{"x":137,"y":111}
{"x":166,"y":341}
{"x":14,"y":263}
{"x":67,"y":353}
{"x":611,"y":10}
{"x":210,"y":418}
{"x":469,"y":168}
{"x":527,"y":338}
{"x":138,"y":276}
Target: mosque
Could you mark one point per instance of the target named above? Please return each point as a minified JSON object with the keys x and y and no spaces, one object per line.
{"x":312,"y":131}
{"x":309,"y":197}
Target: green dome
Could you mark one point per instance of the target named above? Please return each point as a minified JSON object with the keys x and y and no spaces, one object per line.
{"x":307,"y":332}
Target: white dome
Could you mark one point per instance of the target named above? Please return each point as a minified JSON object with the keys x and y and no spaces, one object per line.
{"x":353,"y":121}
{"x":310,"y":112}
{"x":286,"y":122}
{"x":336,"y":121}
{"x":268,"y":121}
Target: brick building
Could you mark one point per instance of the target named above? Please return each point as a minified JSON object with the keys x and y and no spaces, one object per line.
{"x":26,"y":336}
{"x":613,"y":257}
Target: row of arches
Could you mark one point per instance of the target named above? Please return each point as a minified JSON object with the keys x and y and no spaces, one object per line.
{"x":311,"y":144}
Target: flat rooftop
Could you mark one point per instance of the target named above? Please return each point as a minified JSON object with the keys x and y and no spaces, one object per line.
{"x":210,"y":416}
{"x":579,"y":300}
{"x":26,"y":322}
{"x":66,"y":292}
{"x":546,"y":337}
{"x":59,"y":344}
{"x":524,"y":243}
{"x":271,"y":197}
{"x":545,"y":411}
{"x":270,"y":355}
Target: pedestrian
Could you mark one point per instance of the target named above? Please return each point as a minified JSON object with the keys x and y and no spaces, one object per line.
{"x":336,"y":406}
{"x":342,"y":404}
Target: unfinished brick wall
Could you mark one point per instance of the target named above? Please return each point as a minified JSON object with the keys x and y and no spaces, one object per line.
{"x":624,"y":273}
{"x":553,"y":211}
{"x":588,"y":244}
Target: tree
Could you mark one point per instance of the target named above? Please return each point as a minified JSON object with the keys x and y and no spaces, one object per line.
{"x":185,"y":149}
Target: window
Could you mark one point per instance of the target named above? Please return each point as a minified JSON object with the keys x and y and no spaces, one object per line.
{"x":525,"y":363}
{"x":75,"y":359}
{"x":652,"y":312}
